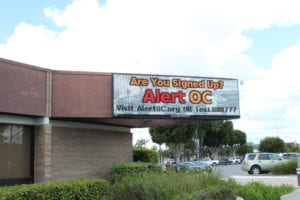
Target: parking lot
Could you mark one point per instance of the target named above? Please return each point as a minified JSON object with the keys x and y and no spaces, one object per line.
{"x":230,"y":170}
{"x":235,"y":171}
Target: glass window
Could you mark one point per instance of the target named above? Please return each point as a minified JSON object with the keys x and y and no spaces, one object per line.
{"x":11,"y":134}
{"x":251,"y":156}
{"x":263,"y":157}
{"x":274,"y":157}
{"x":15,"y":148}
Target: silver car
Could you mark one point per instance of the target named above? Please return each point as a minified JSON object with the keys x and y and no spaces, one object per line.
{"x":257,"y":163}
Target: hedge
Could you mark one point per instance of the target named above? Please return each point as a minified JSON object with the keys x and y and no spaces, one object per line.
{"x":120,"y":170}
{"x":79,"y":189}
{"x":145,"y":155}
{"x":287,"y":167}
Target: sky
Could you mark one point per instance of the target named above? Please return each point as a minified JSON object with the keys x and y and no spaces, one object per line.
{"x":254,"y":41}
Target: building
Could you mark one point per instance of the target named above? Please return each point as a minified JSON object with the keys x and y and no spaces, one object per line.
{"x":56,"y":125}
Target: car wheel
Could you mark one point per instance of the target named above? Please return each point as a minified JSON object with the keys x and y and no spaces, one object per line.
{"x":255,"y":169}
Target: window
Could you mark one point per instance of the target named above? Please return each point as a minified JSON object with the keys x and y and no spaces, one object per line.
{"x":251,"y":156}
{"x":263,"y":157}
{"x":274,"y":157}
{"x":16,"y":153}
{"x":11,"y":134}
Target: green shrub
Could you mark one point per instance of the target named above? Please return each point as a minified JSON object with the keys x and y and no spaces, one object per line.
{"x":121,"y":170}
{"x":171,"y":185}
{"x":260,"y":191}
{"x":223,"y":192}
{"x":80,"y":189}
{"x":145,"y":155}
{"x":288,"y":167}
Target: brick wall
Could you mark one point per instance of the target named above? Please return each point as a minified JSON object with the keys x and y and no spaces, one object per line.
{"x":79,"y":152}
{"x":42,"y":153}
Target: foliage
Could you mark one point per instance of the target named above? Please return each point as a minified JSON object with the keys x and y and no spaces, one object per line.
{"x":80,"y":189}
{"x":145,"y":155}
{"x":159,"y":134}
{"x":215,"y":134}
{"x":165,"y":153}
{"x":288,"y":167}
{"x":243,"y":149}
{"x":219,"y":192}
{"x":271,"y":144}
{"x":196,"y":186}
{"x":171,"y":185}
{"x":260,"y":191}
{"x":200,"y":130}
{"x":291,"y":147}
{"x":237,"y":138}
{"x":212,"y":134}
{"x":121,"y":170}
{"x":173,"y":136}
{"x":141,"y":143}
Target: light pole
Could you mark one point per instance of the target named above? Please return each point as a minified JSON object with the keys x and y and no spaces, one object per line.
{"x":298,"y":169}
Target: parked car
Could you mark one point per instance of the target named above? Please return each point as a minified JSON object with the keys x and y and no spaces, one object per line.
{"x":257,"y":163}
{"x":209,"y":161}
{"x":235,"y":160}
{"x":162,"y":165}
{"x":290,"y":155}
{"x":225,"y":162}
{"x":202,"y":164}
{"x":189,"y":165}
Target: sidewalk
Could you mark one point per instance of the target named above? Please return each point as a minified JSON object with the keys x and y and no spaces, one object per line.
{"x":292,"y":196}
{"x":273,"y":180}
{"x":270,"y":180}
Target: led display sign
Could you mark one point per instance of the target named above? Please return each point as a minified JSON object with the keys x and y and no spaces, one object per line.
{"x":156,"y":95}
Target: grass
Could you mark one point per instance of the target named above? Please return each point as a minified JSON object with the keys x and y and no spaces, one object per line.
{"x":192,"y":186}
{"x":260,"y":191}
{"x":167,"y":186}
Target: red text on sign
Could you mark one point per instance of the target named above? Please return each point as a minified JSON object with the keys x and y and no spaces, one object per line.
{"x":163,"y":97}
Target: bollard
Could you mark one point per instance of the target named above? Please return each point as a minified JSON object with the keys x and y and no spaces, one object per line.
{"x":298,"y":175}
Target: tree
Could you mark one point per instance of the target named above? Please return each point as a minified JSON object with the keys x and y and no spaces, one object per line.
{"x":271,"y":144}
{"x":218,"y":137}
{"x":175,"y":137}
{"x":235,"y":139}
{"x":212,"y":136}
{"x":243,"y":149}
{"x":158,"y":134}
{"x":199,"y":131}
{"x":141,"y":143}
{"x":291,"y":147}
{"x":145,"y":155}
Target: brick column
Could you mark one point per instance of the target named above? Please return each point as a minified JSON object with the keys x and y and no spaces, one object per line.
{"x":42,"y":153}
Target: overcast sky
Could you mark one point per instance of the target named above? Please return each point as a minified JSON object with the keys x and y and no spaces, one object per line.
{"x":255,"y":41}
